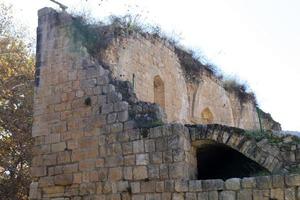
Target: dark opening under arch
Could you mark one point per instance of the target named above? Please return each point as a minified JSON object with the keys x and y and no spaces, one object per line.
{"x":218,"y":161}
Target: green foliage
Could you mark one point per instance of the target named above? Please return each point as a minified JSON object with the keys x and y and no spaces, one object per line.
{"x":16,"y":101}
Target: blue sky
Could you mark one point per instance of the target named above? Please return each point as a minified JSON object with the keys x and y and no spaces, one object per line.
{"x":255,"y":40}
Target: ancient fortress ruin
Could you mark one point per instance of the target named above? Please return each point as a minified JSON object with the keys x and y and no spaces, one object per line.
{"x":123,"y":115}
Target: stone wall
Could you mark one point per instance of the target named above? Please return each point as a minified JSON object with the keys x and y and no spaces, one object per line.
{"x":140,"y":59}
{"x":88,"y":143}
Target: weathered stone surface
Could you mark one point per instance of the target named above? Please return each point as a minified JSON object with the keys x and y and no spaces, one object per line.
{"x":244,"y":194}
{"x":182,"y":186}
{"x":227,"y":195}
{"x":277,"y":194}
{"x":142,"y":159}
{"x":216,"y":184}
{"x":248,"y":183}
{"x":213,"y":195}
{"x":64,"y":179}
{"x":278,"y":181}
{"x":195,"y":186}
{"x":233,"y":184}
{"x":263,"y":182}
{"x":140,"y":173}
{"x":290,"y":194}
{"x":261,"y":195}
{"x":292,"y":180}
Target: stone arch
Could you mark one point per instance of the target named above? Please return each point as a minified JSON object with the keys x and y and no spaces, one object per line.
{"x":263,"y":153}
{"x":159,"y":91}
{"x":207,"y":116}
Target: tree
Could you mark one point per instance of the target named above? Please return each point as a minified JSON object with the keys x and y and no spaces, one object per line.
{"x":16,"y":101}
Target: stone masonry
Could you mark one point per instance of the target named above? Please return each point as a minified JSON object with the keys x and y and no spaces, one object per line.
{"x":90,"y":144}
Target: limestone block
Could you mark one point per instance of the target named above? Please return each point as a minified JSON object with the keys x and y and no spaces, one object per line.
{"x":149,"y":145}
{"x":115,"y":174}
{"x":49,"y":159}
{"x":227,"y":195}
{"x":163,"y":171}
{"x":63,"y":179}
{"x":215,"y":184}
{"x":203,"y":196}
{"x":169,"y":186}
{"x":107,"y":108}
{"x":289,"y":194}
{"x":178,"y":170}
{"x":277,"y":194}
{"x":70,"y":168}
{"x":148,"y":186}
{"x":122,"y":186}
{"x":64,"y":157}
{"x":128,"y":173}
{"x":138,"y":146}
{"x":166,"y":196}
{"x":129,"y":160}
{"x":113,"y":161}
{"x":116,"y":128}
{"x":248,"y":182}
{"x":263,"y":182}
{"x":181,"y":185}
{"x":178,"y":155}
{"x":100,"y":162}
{"x":57,"y":147}
{"x":153,"y":197}
{"x":53,"y":191}
{"x":159,"y":186}
{"x":177,"y":196}
{"x":213,"y":195}
{"x":244,"y":194}
{"x":138,"y":197}
{"x":278,"y":181}
{"x":135,"y":187}
{"x":261,"y":195}
{"x":46,"y":181}
{"x":120,"y":106}
{"x":233,"y":184}
{"x":34,"y":193}
{"x":153,"y":171}
{"x":167,"y":156}
{"x":292,"y":180}
{"x":195,"y":186}
{"x":142,"y":159}
{"x":156,"y":157}
{"x":191,"y":196}
{"x":140,"y":173}
{"x":111,"y":118}
{"x":38,"y":171}
{"x":123,"y":116}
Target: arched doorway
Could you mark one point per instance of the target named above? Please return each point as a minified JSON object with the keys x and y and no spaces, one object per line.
{"x":159,"y":91}
{"x":206,"y":116}
{"x":218,"y":161}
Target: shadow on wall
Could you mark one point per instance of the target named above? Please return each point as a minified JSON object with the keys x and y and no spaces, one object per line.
{"x":217,"y":161}
{"x":159,"y":91}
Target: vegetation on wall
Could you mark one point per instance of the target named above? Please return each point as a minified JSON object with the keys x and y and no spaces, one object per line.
{"x":239,"y":89}
{"x":96,"y":36}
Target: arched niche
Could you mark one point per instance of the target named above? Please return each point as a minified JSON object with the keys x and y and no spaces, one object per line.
{"x":207,"y":116}
{"x":159,"y":91}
